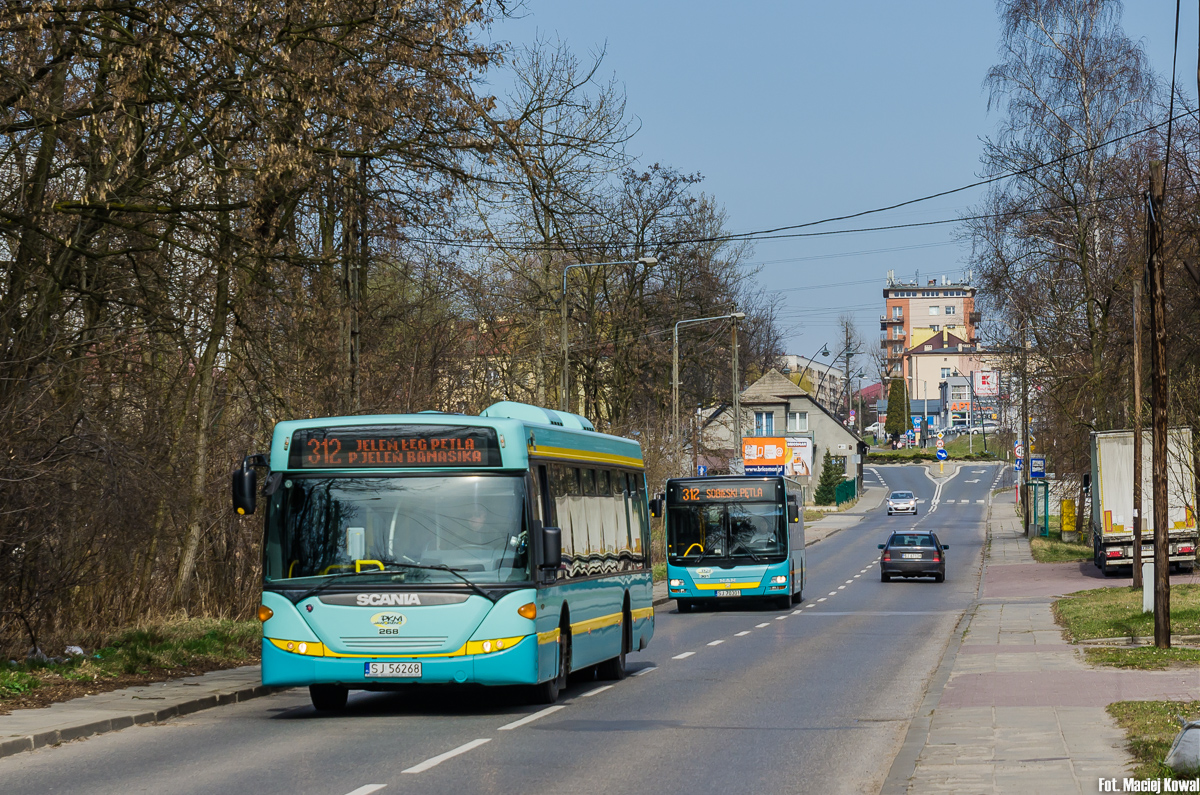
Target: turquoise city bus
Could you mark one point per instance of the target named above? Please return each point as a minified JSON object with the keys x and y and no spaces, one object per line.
{"x":510,"y":548}
{"x":734,"y":538}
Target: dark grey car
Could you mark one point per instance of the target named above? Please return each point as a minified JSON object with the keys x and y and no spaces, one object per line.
{"x":913,"y":554}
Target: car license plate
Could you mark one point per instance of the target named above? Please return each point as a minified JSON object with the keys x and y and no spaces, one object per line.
{"x":729,"y":593}
{"x":911,"y":555}
{"x":405,"y":670}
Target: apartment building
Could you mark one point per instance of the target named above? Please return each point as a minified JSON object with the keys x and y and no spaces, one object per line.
{"x":914,"y":313}
{"x":819,"y":378}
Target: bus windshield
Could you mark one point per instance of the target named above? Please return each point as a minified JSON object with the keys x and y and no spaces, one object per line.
{"x":747,"y":532}
{"x":384,"y":530}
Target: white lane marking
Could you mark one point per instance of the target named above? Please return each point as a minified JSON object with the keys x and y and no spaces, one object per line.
{"x":976,"y":480}
{"x":797,"y":612}
{"x":434,"y":761}
{"x":849,"y":581}
{"x":764,"y":624}
{"x":980,"y":502}
{"x":366,"y":789}
{"x":856,"y":576}
{"x":833,"y":593}
{"x":841,"y":587}
{"x":822,"y":599}
{"x":780,"y":618}
{"x":714,"y":643}
{"x":740,"y":634}
{"x":530,"y":718}
{"x":949,"y":502}
{"x":591,"y":693}
{"x":645,"y":670}
{"x":683,"y":656}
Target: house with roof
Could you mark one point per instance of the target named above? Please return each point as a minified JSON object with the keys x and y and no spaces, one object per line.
{"x":785,"y":428}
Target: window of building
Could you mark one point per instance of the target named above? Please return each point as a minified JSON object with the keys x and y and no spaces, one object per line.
{"x":950,"y":310}
{"x":935,"y":327}
{"x":958,"y":392}
{"x":928,"y":347}
{"x":897,"y":312}
{"x":933,"y":310}
{"x":764,"y":423}
{"x":797,"y":421}
{"x":945,"y":372}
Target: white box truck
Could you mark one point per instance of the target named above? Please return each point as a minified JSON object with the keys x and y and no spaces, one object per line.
{"x":1112,"y":499}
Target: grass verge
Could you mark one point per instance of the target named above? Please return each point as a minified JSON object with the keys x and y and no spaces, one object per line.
{"x":660,"y":572}
{"x":149,"y":653}
{"x":1143,"y":658}
{"x":1150,"y":728}
{"x":1117,"y":613}
{"x":1053,"y":549}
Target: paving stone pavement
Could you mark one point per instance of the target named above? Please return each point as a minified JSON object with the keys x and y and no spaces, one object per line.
{"x":1021,"y":711}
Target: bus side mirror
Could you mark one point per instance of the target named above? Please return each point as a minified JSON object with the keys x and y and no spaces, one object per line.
{"x":656,"y":507}
{"x":245,"y":489}
{"x":793,"y":511}
{"x":551,"y":548}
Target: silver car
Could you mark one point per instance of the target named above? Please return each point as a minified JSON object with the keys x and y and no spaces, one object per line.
{"x":902,"y":502}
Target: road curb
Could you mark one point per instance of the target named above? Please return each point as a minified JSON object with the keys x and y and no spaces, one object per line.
{"x":31,"y":742}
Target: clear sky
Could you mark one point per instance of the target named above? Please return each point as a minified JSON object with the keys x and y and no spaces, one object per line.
{"x":797,"y":111}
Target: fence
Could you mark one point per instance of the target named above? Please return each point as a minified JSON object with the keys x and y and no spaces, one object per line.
{"x":845,"y":491}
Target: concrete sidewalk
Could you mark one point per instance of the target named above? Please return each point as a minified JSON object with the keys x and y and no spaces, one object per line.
{"x":1013,"y":707}
{"x":27,"y":729}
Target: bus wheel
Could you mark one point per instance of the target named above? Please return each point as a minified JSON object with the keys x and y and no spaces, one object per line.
{"x":328,"y":698}
{"x":547,"y":692}
{"x":615,"y":668}
{"x":683,"y":606}
{"x":784,"y":602}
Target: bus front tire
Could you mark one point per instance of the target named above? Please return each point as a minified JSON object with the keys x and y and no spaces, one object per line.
{"x":328,"y":698}
{"x":547,"y":692}
{"x":615,"y":668}
{"x":683,"y":606}
{"x":783,"y":602}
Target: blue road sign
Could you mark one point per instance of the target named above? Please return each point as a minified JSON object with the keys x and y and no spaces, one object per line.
{"x":1037,"y":466}
{"x":1017,"y":464}
{"x":916,"y":421}
{"x":702,"y":470}
{"x":942,"y":455}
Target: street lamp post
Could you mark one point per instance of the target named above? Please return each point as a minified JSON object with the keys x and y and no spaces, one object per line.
{"x":734,"y":316}
{"x":564,"y":400}
{"x":855,"y":352}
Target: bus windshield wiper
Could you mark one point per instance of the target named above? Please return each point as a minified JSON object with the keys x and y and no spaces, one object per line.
{"x":748,"y":552}
{"x":455,"y":572}
{"x":316,"y":589}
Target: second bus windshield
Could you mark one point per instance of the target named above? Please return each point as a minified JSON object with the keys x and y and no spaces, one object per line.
{"x":747,"y":532}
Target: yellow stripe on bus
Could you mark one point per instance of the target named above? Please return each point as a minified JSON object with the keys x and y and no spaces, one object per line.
{"x":597,"y":623}
{"x":723,"y":586}
{"x":642,"y":612}
{"x":568,"y":454}
{"x":549,"y":637}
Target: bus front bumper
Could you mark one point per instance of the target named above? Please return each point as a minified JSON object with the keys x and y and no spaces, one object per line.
{"x":514,"y":666}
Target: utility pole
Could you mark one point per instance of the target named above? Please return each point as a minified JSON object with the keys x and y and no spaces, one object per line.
{"x":1158,"y":409}
{"x":1025,"y":427}
{"x":1137,"y":425}
{"x":737,"y":395}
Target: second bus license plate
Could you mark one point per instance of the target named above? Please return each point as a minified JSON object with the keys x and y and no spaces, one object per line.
{"x":407,"y":670}
{"x":729,"y":593}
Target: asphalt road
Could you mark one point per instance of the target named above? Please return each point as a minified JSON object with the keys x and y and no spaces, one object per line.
{"x":736,"y":699}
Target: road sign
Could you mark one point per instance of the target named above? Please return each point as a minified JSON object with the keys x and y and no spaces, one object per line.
{"x":940,"y":434}
{"x":1037,"y":466}
{"x":942,"y":455}
{"x":940,"y":444}
{"x":1017,"y":465}
{"x":702,"y":470}
{"x":1019,"y":452}
{"x":916,"y":421}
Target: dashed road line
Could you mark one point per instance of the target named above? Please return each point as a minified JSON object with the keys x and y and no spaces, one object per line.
{"x":764,"y":624}
{"x":740,"y":634}
{"x":683,"y":656}
{"x":434,"y":761}
{"x":645,"y":670}
{"x":366,"y":789}
{"x":591,"y":693}
{"x":714,"y":643}
{"x":527,"y":719}
{"x":822,"y":599}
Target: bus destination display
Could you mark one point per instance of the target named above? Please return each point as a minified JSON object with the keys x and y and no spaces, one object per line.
{"x":394,"y":447}
{"x":726,"y":491}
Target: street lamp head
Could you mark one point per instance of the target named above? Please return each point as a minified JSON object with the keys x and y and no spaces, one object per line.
{"x":738,"y":315}
{"x":648,"y":260}
{"x":824,"y":350}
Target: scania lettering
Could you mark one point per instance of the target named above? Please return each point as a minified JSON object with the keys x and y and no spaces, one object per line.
{"x":506,"y":549}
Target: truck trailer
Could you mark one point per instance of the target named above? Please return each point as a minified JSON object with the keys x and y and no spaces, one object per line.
{"x":1112,"y":500}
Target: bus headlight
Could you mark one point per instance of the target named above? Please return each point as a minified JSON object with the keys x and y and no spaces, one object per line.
{"x":779,"y":579}
{"x":676,"y":583}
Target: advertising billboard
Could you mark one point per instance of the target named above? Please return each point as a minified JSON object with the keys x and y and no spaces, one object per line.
{"x":777,"y":455}
{"x":987,"y":383}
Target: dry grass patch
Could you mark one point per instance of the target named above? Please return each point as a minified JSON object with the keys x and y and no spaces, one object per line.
{"x":1150,"y":728}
